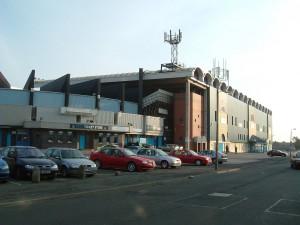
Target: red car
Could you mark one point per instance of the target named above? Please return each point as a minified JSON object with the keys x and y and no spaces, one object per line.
{"x":121,"y":158}
{"x":191,"y":157}
{"x":272,"y":153}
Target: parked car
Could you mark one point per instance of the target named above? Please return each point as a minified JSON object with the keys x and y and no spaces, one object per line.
{"x":4,"y":171}
{"x":135,"y":149}
{"x":222,"y":157}
{"x":169,"y":147}
{"x":108,"y":145}
{"x":160,"y":157}
{"x":132,"y":144}
{"x":21,"y":161}
{"x":295,"y":160}
{"x":272,"y":153}
{"x":121,"y":158}
{"x":69,"y":160}
{"x":191,"y":157}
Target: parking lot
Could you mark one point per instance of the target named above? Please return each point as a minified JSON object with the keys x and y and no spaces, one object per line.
{"x":251,"y":183}
{"x":107,"y":180}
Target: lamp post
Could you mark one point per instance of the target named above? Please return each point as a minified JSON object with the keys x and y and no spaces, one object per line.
{"x":291,"y":138}
{"x":217,"y":131}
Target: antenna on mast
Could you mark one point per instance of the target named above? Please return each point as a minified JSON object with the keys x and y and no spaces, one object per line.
{"x":173,"y":40}
{"x":221,"y":73}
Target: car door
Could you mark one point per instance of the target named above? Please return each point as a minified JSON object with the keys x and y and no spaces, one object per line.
{"x":118,"y":159}
{"x":9,"y":156}
{"x":152,"y":154}
{"x":187,"y":157}
{"x":56,"y":157}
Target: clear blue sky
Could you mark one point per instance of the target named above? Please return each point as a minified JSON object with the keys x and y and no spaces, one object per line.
{"x":260,"y":40}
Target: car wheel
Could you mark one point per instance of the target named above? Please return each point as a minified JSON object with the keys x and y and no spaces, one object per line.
{"x":64,"y":172}
{"x":220,"y":162}
{"x":198,"y":162}
{"x":98,"y":164}
{"x":131,"y":167}
{"x":213,"y":161}
{"x":164,"y":164}
{"x":284,"y":155}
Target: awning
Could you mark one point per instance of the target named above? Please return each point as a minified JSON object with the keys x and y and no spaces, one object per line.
{"x":256,"y":139}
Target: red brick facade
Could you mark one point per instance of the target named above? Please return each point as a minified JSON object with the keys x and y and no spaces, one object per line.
{"x":196,"y":118}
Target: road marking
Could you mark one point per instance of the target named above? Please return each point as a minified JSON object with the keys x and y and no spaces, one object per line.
{"x":228,"y":171}
{"x":216,"y":194}
{"x":15,"y":183}
{"x":269,"y":210}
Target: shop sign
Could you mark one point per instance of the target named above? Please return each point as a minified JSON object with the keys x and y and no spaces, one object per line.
{"x":88,"y":127}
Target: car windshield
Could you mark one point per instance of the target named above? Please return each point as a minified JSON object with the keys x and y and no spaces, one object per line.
{"x":193,"y":152}
{"x":161,"y":152}
{"x":29,"y":153}
{"x":128,"y":152}
{"x":71,"y":154}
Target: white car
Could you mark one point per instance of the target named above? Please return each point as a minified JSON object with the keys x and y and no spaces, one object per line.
{"x":160,"y":157}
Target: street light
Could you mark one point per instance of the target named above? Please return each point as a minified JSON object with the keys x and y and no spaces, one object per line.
{"x":217,"y":131}
{"x":291,"y":141}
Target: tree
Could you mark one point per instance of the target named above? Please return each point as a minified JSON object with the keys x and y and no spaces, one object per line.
{"x":296,"y":143}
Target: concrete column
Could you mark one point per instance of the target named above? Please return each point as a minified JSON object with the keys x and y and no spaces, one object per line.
{"x":187,"y":114}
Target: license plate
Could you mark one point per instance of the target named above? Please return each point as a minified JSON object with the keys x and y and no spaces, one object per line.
{"x":45,"y":171}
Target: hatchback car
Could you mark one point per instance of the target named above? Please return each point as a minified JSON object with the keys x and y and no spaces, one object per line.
{"x":22,"y":160}
{"x":169,"y":147}
{"x":191,"y":157}
{"x":121,"y":158}
{"x":134,"y":149}
{"x":272,"y":153}
{"x":69,"y":160}
{"x":295,"y":160}
{"x":4,"y":171}
{"x":222,"y":157}
{"x":160,"y":157}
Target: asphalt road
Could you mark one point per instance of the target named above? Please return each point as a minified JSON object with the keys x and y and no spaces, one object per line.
{"x":249,"y":189}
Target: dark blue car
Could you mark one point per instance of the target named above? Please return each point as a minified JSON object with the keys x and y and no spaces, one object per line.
{"x":4,"y":171}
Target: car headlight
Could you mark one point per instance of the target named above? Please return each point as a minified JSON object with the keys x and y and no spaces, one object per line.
{"x":29,"y":167}
{"x":93,"y":165}
{"x":73,"y":165}
{"x":144,"y":162}
{"x":54,"y":167}
{"x":5,"y":168}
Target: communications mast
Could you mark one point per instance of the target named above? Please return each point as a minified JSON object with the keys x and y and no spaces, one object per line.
{"x":173,"y":40}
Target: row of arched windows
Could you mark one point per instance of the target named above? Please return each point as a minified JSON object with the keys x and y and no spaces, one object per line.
{"x":216,"y":83}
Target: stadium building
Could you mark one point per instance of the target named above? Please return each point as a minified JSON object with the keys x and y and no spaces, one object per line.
{"x":185,"y":106}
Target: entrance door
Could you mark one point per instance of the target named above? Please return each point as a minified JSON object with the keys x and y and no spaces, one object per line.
{"x":8,"y":140}
{"x":82,"y":141}
{"x":221,"y":147}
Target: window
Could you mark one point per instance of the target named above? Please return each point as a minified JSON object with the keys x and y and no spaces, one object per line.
{"x":100,"y":137}
{"x":232,"y":120}
{"x":115,"y":138}
{"x":78,"y":119}
{"x":69,"y":137}
{"x":60,"y":137}
{"x":51,"y":136}
{"x":108,"y":137}
{"x":235,"y":121}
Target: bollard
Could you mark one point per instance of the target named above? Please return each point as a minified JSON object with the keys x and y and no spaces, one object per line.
{"x":36,"y":175}
{"x":82,"y":172}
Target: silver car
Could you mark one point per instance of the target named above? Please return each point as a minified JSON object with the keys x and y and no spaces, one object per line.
{"x":160,"y":157}
{"x":222,"y":157}
{"x":69,"y":160}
